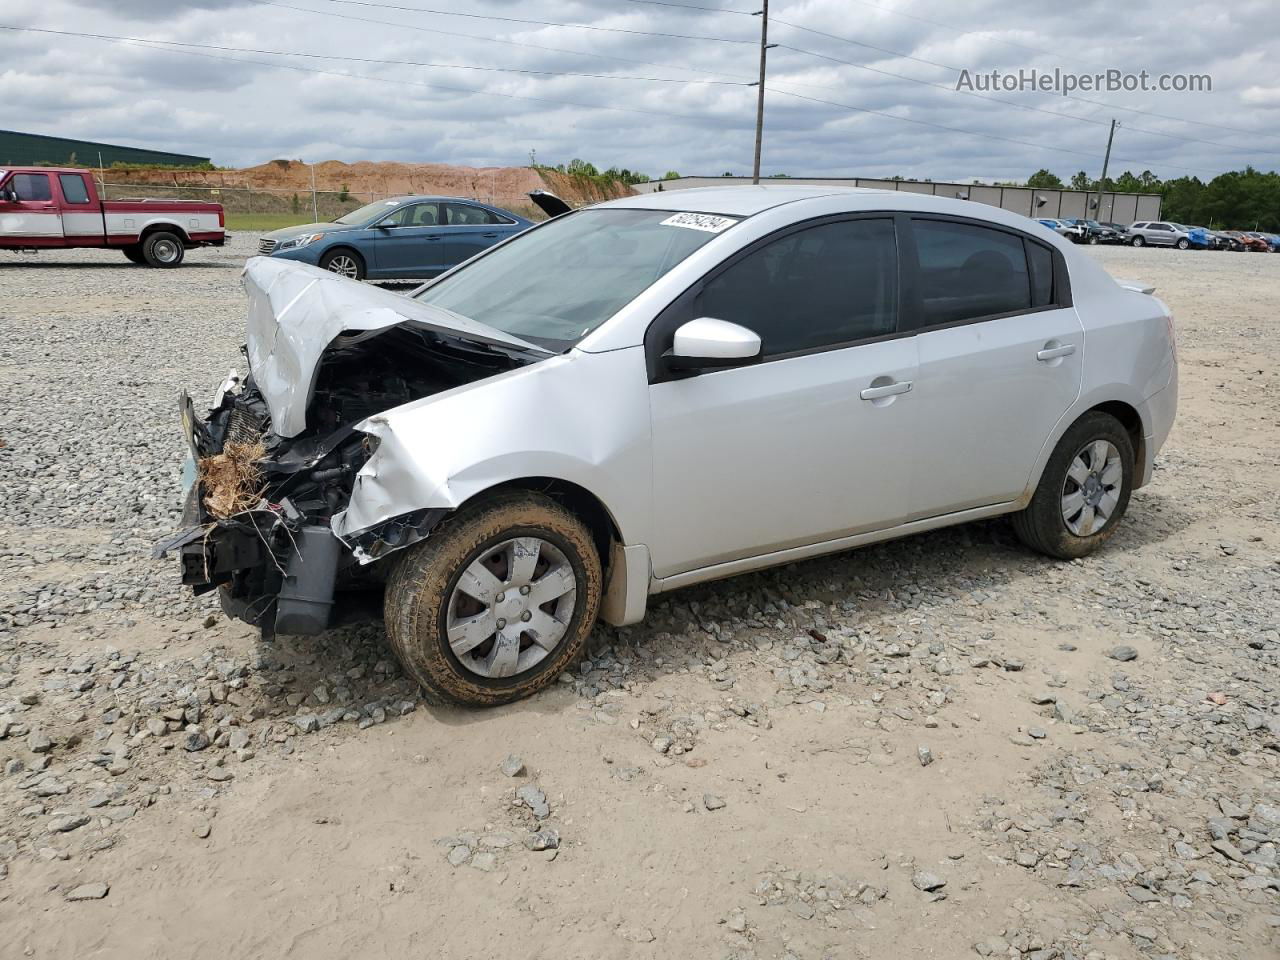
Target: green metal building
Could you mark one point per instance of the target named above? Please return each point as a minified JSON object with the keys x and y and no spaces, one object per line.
{"x":36,"y":150}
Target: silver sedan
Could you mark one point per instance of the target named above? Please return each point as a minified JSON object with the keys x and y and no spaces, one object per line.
{"x":663,"y":390}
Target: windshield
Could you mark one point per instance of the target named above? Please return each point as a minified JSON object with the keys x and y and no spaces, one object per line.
{"x":369,"y":211}
{"x":557,"y":283}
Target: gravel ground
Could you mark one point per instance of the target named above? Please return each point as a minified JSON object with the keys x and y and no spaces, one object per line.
{"x":936,"y":747}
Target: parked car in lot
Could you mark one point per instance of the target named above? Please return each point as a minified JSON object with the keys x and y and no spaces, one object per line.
{"x":1091,"y":231}
{"x":1198,"y":237}
{"x":56,"y":208}
{"x":1249,"y":242}
{"x":1060,"y":227}
{"x":655,"y":392}
{"x":402,"y":237}
{"x":1121,"y":230}
{"x":1159,"y":233}
{"x":1266,"y":238}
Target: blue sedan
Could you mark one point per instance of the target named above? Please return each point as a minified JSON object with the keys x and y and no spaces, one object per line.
{"x":399,"y":238}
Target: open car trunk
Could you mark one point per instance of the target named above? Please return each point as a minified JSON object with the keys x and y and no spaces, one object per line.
{"x":275,"y":456}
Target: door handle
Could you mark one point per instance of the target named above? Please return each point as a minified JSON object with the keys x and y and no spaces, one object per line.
{"x":887,"y":390}
{"x":489,"y":236}
{"x":1053,"y":353}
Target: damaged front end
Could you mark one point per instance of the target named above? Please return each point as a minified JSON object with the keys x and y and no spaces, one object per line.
{"x":275,"y":457}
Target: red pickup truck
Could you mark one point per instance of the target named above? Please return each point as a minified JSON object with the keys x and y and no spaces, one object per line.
{"x":53,"y":207}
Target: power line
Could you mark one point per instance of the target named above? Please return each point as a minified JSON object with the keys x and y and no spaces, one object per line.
{"x":401,"y":63}
{"x":490,"y":39}
{"x":540,"y":23}
{"x":358,"y":76}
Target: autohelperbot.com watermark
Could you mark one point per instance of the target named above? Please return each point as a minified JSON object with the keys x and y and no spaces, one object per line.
{"x":1033,"y":79}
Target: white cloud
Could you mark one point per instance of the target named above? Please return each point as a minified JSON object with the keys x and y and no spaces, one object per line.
{"x":248,"y":112}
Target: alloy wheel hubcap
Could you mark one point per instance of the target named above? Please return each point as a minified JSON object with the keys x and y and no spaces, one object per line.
{"x":344,"y":266}
{"x":511,"y":607}
{"x":1091,"y":490}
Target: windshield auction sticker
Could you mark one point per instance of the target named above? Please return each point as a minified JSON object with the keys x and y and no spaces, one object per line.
{"x":699,"y":221}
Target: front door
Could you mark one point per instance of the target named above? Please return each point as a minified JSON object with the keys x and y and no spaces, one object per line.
{"x":808,"y":445}
{"x":410,"y":242}
{"x":33,"y":220}
{"x":1000,"y":363}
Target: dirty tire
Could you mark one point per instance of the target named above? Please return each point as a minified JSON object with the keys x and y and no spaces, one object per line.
{"x":345,"y":262}
{"x":1041,"y":525}
{"x":134,"y":253}
{"x":163,"y":249}
{"x":423,"y":580}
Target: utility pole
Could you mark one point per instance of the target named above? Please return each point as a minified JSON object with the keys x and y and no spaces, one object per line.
{"x":764,"y":50}
{"x":1106,"y":162}
{"x":315,"y":207}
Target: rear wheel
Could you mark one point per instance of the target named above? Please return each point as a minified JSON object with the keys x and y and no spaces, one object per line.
{"x":1139,"y":242}
{"x":163,"y":249}
{"x":134,"y":253}
{"x":1083,"y":492}
{"x":497,"y":602}
{"x":344,"y":262}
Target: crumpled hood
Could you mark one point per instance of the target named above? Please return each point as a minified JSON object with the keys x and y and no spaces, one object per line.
{"x":297,"y":310}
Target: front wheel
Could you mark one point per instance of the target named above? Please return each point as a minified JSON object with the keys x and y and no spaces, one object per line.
{"x":1138,"y":241}
{"x":1184,"y":243}
{"x":1083,"y":492}
{"x":344,"y":262}
{"x":163,"y":249}
{"x":497,"y":602}
{"x":1093,"y":240}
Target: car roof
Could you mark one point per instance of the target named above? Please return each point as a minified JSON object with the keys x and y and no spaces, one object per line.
{"x":741,"y":201}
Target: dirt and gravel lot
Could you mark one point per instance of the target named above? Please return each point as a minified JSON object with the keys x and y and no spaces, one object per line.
{"x":924,"y":749}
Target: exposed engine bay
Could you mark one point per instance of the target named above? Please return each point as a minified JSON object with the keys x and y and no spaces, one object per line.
{"x":259,"y":505}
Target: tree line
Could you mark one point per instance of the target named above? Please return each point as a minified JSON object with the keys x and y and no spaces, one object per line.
{"x":1245,"y":199}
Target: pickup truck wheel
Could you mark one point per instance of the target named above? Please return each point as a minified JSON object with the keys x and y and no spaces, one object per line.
{"x":134,"y":253}
{"x":497,"y":602}
{"x":163,"y":249}
{"x":344,"y":262}
{"x":1083,"y":492}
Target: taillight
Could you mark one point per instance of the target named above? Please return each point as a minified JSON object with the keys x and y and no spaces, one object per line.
{"x":222,"y":217}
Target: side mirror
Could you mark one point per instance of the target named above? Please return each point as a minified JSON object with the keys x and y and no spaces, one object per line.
{"x":709,"y":343}
{"x":9,"y":195}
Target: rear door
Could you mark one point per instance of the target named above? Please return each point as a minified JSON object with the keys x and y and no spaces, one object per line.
{"x":33,"y":219}
{"x":81,"y":216}
{"x":1000,"y":351}
{"x":410,"y":241}
{"x":471,"y":229}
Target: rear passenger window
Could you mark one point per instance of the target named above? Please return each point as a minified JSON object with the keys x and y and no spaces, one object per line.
{"x":968,"y":272}
{"x":73,"y":188}
{"x":31,"y":186}
{"x":465,"y":215}
{"x":819,"y":287}
{"x":1040,"y":260}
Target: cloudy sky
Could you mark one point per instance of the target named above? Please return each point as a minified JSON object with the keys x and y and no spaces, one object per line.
{"x":244,"y":108}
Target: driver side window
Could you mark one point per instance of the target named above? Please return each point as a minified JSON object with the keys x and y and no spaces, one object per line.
{"x":823,"y":286}
{"x":31,"y":186}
